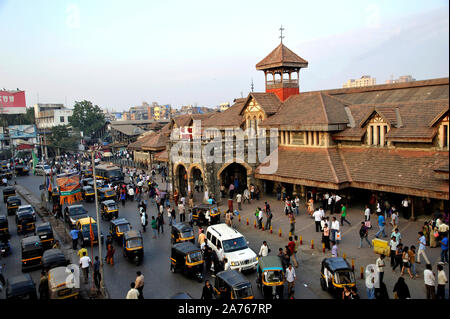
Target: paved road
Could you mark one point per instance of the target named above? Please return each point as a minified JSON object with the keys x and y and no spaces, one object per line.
{"x":161,"y":283}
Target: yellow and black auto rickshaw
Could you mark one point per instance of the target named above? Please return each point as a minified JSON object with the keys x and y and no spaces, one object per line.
{"x":133,"y":246}
{"x":335,"y":274}
{"x":270,"y":277}
{"x":4,"y":230}
{"x":45,"y":233}
{"x":231,"y":284}
{"x":31,"y":253}
{"x":117,"y":227}
{"x":58,"y":279}
{"x":205,"y":214}
{"x":106,"y":193}
{"x":7,"y":192}
{"x":12,"y":204}
{"x":182,"y":232}
{"x":109,"y":210}
{"x":88,"y":193}
{"x":187,"y":258}
{"x":84,"y":225}
{"x":25,"y":222}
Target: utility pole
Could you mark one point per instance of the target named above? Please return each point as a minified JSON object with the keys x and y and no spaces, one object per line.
{"x":102,"y":283}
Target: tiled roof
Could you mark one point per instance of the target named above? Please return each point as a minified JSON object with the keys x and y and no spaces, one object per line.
{"x":281,"y":56}
{"x":308,"y":109}
{"x":157,"y":141}
{"x":140,"y":141}
{"x":162,"y":156}
{"x":269,"y":102}
{"x":229,"y":118}
{"x":127,"y":129}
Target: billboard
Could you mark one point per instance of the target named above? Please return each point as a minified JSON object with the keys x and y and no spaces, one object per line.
{"x":22,"y":131}
{"x":12,"y":102}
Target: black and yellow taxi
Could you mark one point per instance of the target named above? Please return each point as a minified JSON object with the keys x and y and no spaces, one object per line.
{"x":182,"y":232}
{"x":118,"y":227}
{"x":88,"y":193}
{"x":45,"y":233}
{"x":109,"y":210}
{"x":25,"y":222}
{"x":32,"y":252}
{"x":232,"y":284}
{"x":12,"y":204}
{"x":7,"y":192}
{"x":106,"y":193}
{"x":85,"y":225}
{"x":4,"y":230}
{"x":133,"y":246}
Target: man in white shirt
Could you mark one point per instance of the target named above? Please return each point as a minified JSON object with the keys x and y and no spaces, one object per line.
{"x":405,"y":208}
{"x":380,"y":267}
{"x":264,"y":250}
{"x":133,"y":293}
{"x":334,"y":228}
{"x":442,"y":281}
{"x":85,"y":262}
{"x":367,"y":213}
{"x":239,"y":201}
{"x":260,"y":217}
{"x":290,"y":278}
{"x":317,"y":218}
{"x":370,"y":281}
{"x":429,"y":281}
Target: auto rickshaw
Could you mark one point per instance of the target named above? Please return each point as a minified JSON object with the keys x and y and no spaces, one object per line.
{"x":109,"y":210}
{"x":200,"y":212}
{"x":187,"y":258}
{"x":117,"y":227}
{"x":22,"y":170}
{"x":7,"y":192}
{"x":45,"y":233}
{"x":25,"y":222}
{"x":89,"y":181}
{"x":270,"y":277}
{"x":182,"y":232}
{"x":106,"y":193}
{"x":88,"y":193}
{"x":53,"y":258}
{"x":336,"y":273}
{"x":57,"y":284}
{"x":86,"y":173}
{"x":12,"y":203}
{"x":31,"y":253}
{"x":231,"y":284}
{"x":20,"y":287}
{"x":4,"y":230}
{"x":133,"y":246}
{"x":84,"y":225}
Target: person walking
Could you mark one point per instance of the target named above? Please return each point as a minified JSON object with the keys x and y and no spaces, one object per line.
{"x":139,"y":284}
{"x":144,"y":221}
{"x":264,"y":250}
{"x":290,"y":278}
{"x":380,"y":267}
{"x":291,"y":223}
{"x":181,"y":211}
{"x":260,"y":217}
{"x":393,"y":247}
{"x":160,"y":223}
{"x":405,"y":262}
{"x":208,"y":291}
{"x":430,"y":281}
{"x":317,"y":219}
{"x":292,"y":250}
{"x":334,"y":249}
{"x":370,"y":282}
{"x":154,"y":227}
{"x":97,"y":276}
{"x":133,"y":293}
{"x":412,"y":260}
{"x":344,"y":215}
{"x":229,"y":218}
{"x":398,"y":260}
{"x":381,"y":225}
{"x":401,"y":290}
{"x":334,"y":228}
{"x":85,"y":262}
{"x":43,"y":286}
{"x":74,"y":233}
{"x":269,"y":216}
{"x":326,"y":236}
{"x":444,"y":249}
{"x":367,"y":213}
{"x":239,"y":200}
{"x":110,"y":254}
{"x":421,"y":251}
{"x":363,"y":235}
{"x":442,"y":281}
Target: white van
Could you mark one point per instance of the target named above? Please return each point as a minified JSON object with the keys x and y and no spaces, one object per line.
{"x":234,"y":245}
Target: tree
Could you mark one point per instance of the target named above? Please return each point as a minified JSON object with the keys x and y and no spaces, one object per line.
{"x":86,"y":117}
{"x":62,"y":140}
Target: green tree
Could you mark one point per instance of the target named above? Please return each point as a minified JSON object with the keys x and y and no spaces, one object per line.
{"x":87,"y":117}
{"x":62,"y":140}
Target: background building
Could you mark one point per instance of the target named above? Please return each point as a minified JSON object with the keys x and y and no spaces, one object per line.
{"x":401,"y":79}
{"x":365,"y":80}
{"x":50,"y":115}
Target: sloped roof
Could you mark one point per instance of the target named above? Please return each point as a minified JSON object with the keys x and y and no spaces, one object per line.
{"x":308,"y":109}
{"x":231,"y":117}
{"x":281,"y":56}
{"x":269,"y":102}
{"x":127,"y":129}
{"x":157,"y":141}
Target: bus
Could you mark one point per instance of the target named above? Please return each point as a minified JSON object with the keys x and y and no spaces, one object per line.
{"x":109,"y":173}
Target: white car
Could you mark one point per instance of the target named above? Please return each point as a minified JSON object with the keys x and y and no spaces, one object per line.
{"x":25,"y":208}
{"x":42,"y":170}
{"x":234,"y":245}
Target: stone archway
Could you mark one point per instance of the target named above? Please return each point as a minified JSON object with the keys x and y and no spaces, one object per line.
{"x":181,"y":179}
{"x":232,"y":171}
{"x":196,"y":176}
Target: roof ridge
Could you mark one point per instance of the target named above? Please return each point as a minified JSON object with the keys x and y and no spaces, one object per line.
{"x":323,"y":106}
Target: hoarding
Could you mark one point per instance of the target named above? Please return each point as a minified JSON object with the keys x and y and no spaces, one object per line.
{"x":12,"y":102}
{"x":22,"y":131}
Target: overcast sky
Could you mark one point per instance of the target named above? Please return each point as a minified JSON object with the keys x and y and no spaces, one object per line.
{"x":118,"y":54}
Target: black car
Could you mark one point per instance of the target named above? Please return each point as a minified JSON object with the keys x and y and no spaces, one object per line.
{"x":53,"y":258}
{"x":73,"y":213}
{"x":20,"y":287}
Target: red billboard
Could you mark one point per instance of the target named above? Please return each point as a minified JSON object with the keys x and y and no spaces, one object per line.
{"x":12,"y":102}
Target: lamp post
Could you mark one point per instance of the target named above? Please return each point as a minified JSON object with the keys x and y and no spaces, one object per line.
{"x":102,"y":286}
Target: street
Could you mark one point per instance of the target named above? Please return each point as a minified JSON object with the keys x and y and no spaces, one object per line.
{"x":161,"y":283}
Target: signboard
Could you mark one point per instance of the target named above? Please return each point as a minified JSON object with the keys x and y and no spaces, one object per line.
{"x":12,"y":102}
{"x":22,"y":131}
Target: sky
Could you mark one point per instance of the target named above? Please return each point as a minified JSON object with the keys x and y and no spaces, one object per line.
{"x":118,"y":54}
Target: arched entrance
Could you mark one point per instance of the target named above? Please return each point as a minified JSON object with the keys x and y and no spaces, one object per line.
{"x":197,"y":179}
{"x":182,"y":180}
{"x":234,"y":173}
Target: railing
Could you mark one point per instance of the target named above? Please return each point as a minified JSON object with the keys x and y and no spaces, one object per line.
{"x":295,"y":81}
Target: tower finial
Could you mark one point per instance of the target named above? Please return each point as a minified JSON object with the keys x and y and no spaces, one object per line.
{"x":281,"y":35}
{"x":252,"y":87}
